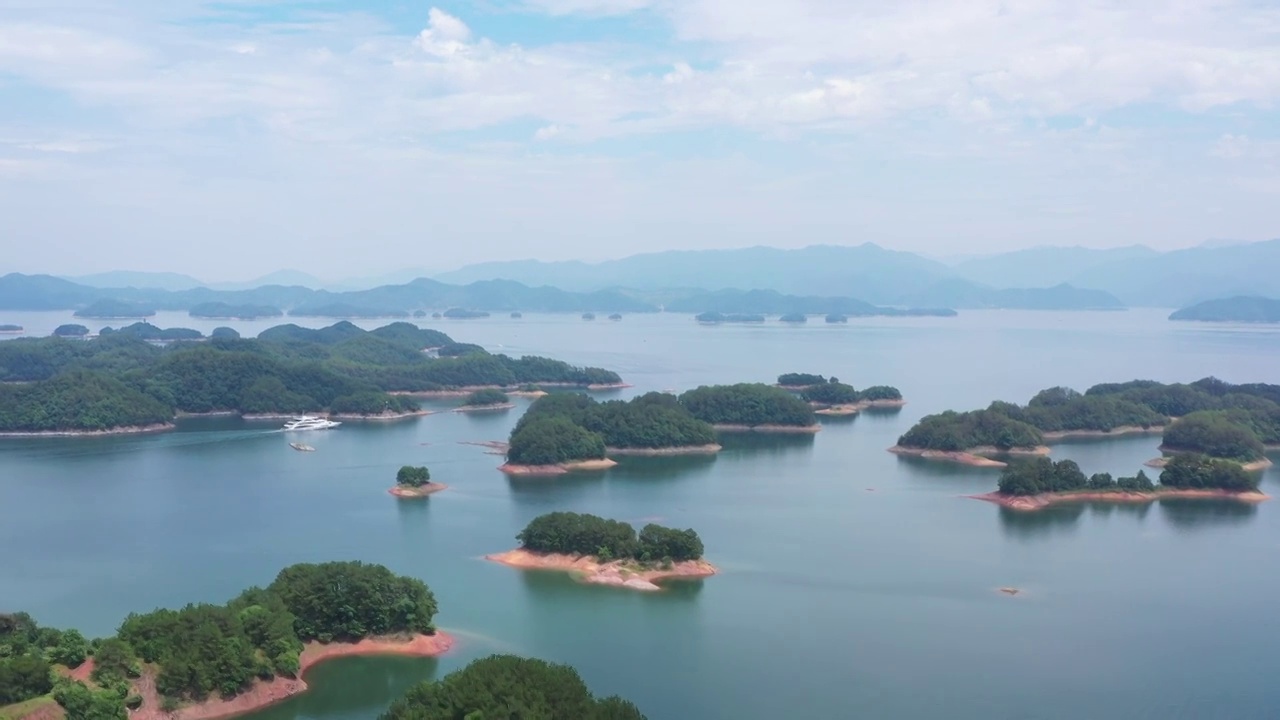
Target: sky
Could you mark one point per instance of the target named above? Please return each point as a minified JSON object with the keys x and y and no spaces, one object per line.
{"x":228,"y":139}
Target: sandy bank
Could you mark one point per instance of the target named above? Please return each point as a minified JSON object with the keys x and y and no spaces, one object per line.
{"x":975,"y":457}
{"x":709,"y":449}
{"x":797,"y":429}
{"x":854,"y":408}
{"x":619,"y":573}
{"x":124,"y":430}
{"x":381,"y":417}
{"x":270,"y":692}
{"x":495,"y":407}
{"x":557,"y":469}
{"x":491,"y":444}
{"x":405,"y":492}
{"x":1028,"y":503}
{"x":1113,"y":432}
{"x":1255,"y":466}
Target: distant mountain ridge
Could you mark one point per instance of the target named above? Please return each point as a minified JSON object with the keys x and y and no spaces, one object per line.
{"x":1235,"y":309}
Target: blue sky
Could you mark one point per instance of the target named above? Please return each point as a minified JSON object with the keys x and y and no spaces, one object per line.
{"x":226,"y":139}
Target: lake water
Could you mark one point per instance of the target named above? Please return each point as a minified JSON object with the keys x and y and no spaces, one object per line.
{"x":855,"y":583}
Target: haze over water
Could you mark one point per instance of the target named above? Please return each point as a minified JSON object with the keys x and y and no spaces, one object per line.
{"x":855,"y":583}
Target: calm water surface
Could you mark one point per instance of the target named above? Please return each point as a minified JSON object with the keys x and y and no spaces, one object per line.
{"x":855,"y":583}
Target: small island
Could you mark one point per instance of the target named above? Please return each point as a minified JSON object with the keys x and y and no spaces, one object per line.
{"x":588,"y":316}
{"x":207,"y":661}
{"x":107,"y":309}
{"x":795,"y":318}
{"x":834,"y":318}
{"x":229,"y":311}
{"x":750,"y":407}
{"x":508,"y":686}
{"x":415,"y":482}
{"x":608,"y":552}
{"x":71,"y":330}
{"x":463,"y":314}
{"x":486,"y":400}
{"x":1218,"y":419}
{"x":1039,"y":483}
{"x":1242,"y":309}
{"x":11,"y":329}
{"x":829,"y":396}
{"x":616,"y":316}
{"x":517,"y":315}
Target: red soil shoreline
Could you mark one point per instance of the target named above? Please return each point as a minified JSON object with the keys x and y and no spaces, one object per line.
{"x":495,"y":407}
{"x":589,"y":569}
{"x":1113,"y":432}
{"x":276,"y":690}
{"x":708,"y":449}
{"x":1031,"y":503}
{"x":124,"y":430}
{"x":557,"y":469}
{"x":974,"y":457}
{"x":410,"y":493}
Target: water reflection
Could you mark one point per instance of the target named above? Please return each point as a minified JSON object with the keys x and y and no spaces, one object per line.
{"x":765,"y":443}
{"x":352,"y":688}
{"x":541,"y":491}
{"x":659,"y":469}
{"x":1023,"y":526}
{"x":1197,"y":514}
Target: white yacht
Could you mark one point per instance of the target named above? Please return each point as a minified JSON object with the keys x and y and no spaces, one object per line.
{"x":309,"y":422}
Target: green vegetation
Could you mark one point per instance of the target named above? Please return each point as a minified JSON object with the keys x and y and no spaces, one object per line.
{"x":651,"y":421}
{"x":287,"y":369}
{"x":1234,"y":309}
{"x":955,"y":432}
{"x":794,"y":318}
{"x":410,"y":476}
{"x":245,"y":311}
{"x":553,"y":440}
{"x":835,"y":392}
{"x":879,"y":392}
{"x":506,"y":686}
{"x":346,"y":310}
{"x":1217,"y":418}
{"x":70,"y":330}
{"x":800,"y":380}
{"x":579,"y":534}
{"x":459,"y":349}
{"x":1191,"y":471}
{"x":716,"y":317}
{"x":487,"y":396}
{"x":107,"y":309}
{"x":749,"y":404}
{"x":25,"y":672}
{"x":463,"y":314}
{"x":82,"y":703}
{"x":146,"y":331}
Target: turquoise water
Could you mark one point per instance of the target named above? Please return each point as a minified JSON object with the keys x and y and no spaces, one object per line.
{"x":855,"y":583}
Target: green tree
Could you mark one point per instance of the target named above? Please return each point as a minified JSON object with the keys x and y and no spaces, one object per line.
{"x":413,"y":476}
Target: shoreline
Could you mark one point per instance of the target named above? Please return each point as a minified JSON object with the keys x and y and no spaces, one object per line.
{"x":556,"y":469}
{"x":768,"y":428}
{"x":495,"y":407}
{"x":414,"y":493}
{"x":588,"y":569}
{"x":264,"y":693}
{"x":1113,"y":432}
{"x":515,"y":390}
{"x":123,"y":430}
{"x":708,"y":449}
{"x":1255,"y":466}
{"x":973,"y":457}
{"x":382,"y":417}
{"x":1031,"y":503}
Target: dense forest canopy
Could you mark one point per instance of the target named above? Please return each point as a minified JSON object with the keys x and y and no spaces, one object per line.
{"x":287,"y":369}
{"x":70,"y":330}
{"x":834,"y":392}
{"x":413,"y":476}
{"x":1217,"y":418}
{"x":1042,"y":475}
{"x":203,"y":650}
{"x":511,"y":687}
{"x":580,"y":534}
{"x":749,"y":404}
{"x":650,"y":421}
{"x":800,"y":380}
{"x":146,"y":331}
{"x":551,"y":440}
{"x":487,"y":396}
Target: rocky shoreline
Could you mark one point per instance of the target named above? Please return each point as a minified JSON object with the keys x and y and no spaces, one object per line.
{"x":1113,"y":432}
{"x":618,"y":573}
{"x":123,"y":430}
{"x":495,"y":407}
{"x":557,"y":469}
{"x":973,"y":457}
{"x":1031,"y":503}
{"x":1160,"y":462}
{"x":409,"y":493}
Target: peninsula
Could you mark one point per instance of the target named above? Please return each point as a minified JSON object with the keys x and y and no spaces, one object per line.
{"x":1242,"y":309}
{"x":608,"y":552}
{"x":217,"y":661}
{"x":486,"y":400}
{"x":1214,"y":418}
{"x":137,"y":384}
{"x":1036,"y":484}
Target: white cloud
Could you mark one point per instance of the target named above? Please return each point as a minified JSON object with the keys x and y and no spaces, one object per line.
{"x":444,"y":34}
{"x":546,"y":132}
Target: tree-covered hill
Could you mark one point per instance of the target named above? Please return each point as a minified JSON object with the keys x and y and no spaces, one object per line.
{"x":1233,"y":309}
{"x":747,"y":404}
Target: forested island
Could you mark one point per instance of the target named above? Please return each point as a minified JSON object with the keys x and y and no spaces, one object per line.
{"x":206,"y":660}
{"x":106,"y":309}
{"x":1039,"y":483}
{"x":750,"y":406}
{"x":571,"y":431}
{"x":119,"y":382}
{"x":415,"y":482}
{"x":507,"y":686}
{"x":1214,"y":418}
{"x":144,"y":330}
{"x":70,"y":330}
{"x":1242,"y":309}
{"x":10,"y":328}
{"x":229,"y":311}
{"x":463,"y":314}
{"x":829,"y":396}
{"x":715,"y":318}
{"x":608,"y":552}
{"x":485,"y":400}
{"x":795,"y":318}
